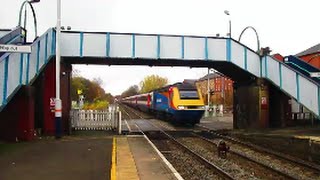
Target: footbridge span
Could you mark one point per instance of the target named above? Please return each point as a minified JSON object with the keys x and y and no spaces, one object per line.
{"x":254,"y":75}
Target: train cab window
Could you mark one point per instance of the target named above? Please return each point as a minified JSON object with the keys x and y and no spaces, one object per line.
{"x":189,"y":94}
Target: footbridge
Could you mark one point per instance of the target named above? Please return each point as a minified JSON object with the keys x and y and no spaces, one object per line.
{"x":247,"y":68}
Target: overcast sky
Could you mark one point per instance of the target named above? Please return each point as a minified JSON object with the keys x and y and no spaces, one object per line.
{"x":287,"y":27}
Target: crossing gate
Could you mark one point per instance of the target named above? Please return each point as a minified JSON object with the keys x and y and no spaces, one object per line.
{"x":95,"y":120}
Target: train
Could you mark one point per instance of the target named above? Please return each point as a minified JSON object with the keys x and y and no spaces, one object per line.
{"x":180,"y":102}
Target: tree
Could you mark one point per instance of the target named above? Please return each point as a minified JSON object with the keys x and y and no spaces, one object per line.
{"x":152,"y":82}
{"x":132,"y":90}
{"x":95,"y":96}
{"x":78,"y":83}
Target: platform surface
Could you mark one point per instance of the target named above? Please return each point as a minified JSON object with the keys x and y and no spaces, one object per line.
{"x":78,"y":158}
{"x":137,"y":159}
{"x":137,"y":125}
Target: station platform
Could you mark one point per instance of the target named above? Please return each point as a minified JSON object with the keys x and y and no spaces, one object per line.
{"x":137,"y":125}
{"x":134,"y":157}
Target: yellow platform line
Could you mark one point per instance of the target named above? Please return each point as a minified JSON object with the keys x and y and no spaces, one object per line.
{"x":113,"y":165}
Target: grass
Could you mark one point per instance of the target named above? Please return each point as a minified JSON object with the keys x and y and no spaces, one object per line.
{"x":6,"y":147}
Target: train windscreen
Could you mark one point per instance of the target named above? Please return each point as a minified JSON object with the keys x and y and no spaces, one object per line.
{"x":189,"y":94}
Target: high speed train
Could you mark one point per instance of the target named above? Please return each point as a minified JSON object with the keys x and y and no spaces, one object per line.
{"x":180,"y":102}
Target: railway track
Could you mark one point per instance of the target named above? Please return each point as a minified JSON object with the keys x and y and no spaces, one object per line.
{"x":256,"y":162}
{"x":286,"y":167}
{"x":238,"y":165}
{"x":181,"y":155}
{"x":286,"y":157}
{"x":188,"y":163}
{"x":282,"y":163}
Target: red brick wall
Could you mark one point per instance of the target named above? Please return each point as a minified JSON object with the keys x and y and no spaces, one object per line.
{"x":216,"y":87}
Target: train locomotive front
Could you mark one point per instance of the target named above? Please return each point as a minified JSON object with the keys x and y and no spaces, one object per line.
{"x":179,"y":102}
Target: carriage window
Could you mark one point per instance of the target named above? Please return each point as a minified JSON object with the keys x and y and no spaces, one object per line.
{"x":190,"y":94}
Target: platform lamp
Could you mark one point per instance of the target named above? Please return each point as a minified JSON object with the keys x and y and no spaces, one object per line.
{"x":58,"y":102}
{"x":226,"y":12}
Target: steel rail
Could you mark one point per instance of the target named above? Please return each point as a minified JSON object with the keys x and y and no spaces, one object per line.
{"x":259,"y":149}
{"x":264,"y":150}
{"x":209,"y":164}
{"x":198,"y":156}
{"x":248,"y":158}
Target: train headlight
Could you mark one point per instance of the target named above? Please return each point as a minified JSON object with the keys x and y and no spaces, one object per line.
{"x":202,"y":107}
{"x":181,"y":107}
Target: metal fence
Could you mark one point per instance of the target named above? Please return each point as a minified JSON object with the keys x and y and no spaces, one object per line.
{"x":95,"y":120}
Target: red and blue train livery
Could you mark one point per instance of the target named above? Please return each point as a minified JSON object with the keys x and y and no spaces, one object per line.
{"x":180,"y":102}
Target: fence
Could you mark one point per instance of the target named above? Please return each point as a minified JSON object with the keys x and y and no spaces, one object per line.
{"x":95,"y":120}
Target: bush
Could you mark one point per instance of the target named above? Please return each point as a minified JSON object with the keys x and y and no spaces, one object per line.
{"x":96,"y":105}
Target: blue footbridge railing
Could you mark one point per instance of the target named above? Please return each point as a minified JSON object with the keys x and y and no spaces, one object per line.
{"x":18,"y":69}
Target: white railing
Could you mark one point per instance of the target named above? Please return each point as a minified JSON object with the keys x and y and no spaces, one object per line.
{"x":94,"y":120}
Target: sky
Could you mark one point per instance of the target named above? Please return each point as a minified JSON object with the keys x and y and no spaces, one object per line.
{"x":287,"y":27}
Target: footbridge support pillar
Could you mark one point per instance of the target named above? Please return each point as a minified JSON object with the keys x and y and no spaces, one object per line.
{"x":251,"y":104}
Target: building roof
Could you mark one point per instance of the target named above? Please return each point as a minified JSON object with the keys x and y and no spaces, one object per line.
{"x":312,"y":50}
{"x":278,"y":57}
{"x":211,"y":76}
{"x":190,"y":81}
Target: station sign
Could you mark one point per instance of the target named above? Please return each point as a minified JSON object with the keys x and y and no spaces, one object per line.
{"x":52,"y":104}
{"x":15,"y":48}
{"x":315,"y":74}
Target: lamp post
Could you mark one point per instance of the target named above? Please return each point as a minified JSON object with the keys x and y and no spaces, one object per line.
{"x":208,"y":88}
{"x":58,"y":102}
{"x":255,"y":31}
{"x":24,"y":4}
{"x":223,"y":92}
{"x":228,"y":14}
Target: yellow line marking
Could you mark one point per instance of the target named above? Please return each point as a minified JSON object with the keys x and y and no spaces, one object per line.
{"x":113,"y":165}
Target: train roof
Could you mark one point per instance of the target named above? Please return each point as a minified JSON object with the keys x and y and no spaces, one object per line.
{"x":180,"y":86}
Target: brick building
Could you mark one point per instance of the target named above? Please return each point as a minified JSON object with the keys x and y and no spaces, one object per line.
{"x":221,"y":89}
{"x":311,"y":55}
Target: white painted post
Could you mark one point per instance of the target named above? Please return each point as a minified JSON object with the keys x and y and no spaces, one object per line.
{"x":58,"y":102}
{"x":112,"y":119}
{"x":119,"y":123}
